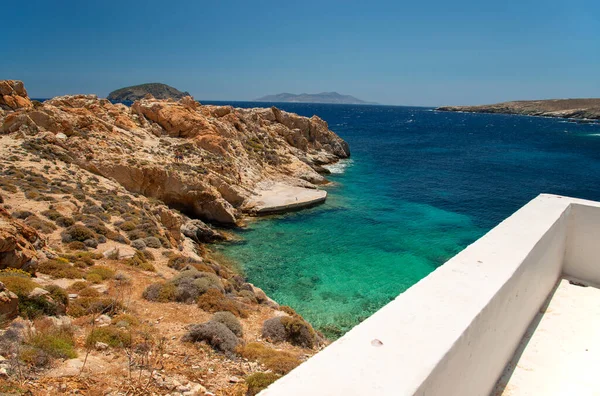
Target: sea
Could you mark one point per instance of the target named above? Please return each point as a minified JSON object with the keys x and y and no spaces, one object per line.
{"x":420,"y":186}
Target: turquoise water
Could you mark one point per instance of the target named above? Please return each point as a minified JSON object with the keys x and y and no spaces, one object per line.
{"x":420,"y":187}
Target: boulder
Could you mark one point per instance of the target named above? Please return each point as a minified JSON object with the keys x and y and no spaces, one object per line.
{"x":200,"y":232}
{"x":9,"y":303}
{"x":18,"y":243}
{"x":13,"y":95}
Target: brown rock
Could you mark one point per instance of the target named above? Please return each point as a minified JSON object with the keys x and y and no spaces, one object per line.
{"x":9,"y":303}
{"x":13,"y":95}
{"x":17,"y":243}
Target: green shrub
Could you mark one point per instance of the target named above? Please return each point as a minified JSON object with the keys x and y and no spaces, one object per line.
{"x":77,"y":233}
{"x":259,"y":381}
{"x":53,"y":341}
{"x":19,"y":285}
{"x":128,"y":226}
{"x":40,"y":225}
{"x":64,"y":221}
{"x":298,"y":331}
{"x":59,"y":269}
{"x":229,"y":320}
{"x":52,"y":214}
{"x":58,"y":294}
{"x":104,"y":272}
{"x":139,"y":260}
{"x":93,"y":278}
{"x":214,"y":301}
{"x":110,"y":335}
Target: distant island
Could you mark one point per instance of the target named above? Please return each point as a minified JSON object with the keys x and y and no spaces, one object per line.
{"x":579,"y":109}
{"x":323,"y":97}
{"x":137,"y":92}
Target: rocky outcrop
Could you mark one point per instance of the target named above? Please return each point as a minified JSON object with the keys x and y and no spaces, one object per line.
{"x":136,"y":92}
{"x":203,"y":160}
{"x":9,"y":304}
{"x":13,"y":95}
{"x":18,"y":243}
{"x":200,"y":232}
{"x":560,"y":108}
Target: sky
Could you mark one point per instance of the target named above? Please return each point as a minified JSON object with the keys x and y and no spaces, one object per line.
{"x":425,"y":53}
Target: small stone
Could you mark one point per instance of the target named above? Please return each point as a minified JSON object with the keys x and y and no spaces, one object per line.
{"x":61,"y":136}
{"x":103,"y":320}
{"x":234,"y":380}
{"x":73,"y":296}
{"x":101,"y":346}
{"x":376,"y":343}
{"x":3,"y":372}
{"x":38,"y":292}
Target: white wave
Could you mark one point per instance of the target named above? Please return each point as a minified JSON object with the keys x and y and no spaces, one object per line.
{"x":339,"y":167}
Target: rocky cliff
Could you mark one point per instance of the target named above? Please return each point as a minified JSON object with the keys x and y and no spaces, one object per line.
{"x":103,"y":247}
{"x":202,"y":160}
{"x":136,"y":92}
{"x":561,"y":108}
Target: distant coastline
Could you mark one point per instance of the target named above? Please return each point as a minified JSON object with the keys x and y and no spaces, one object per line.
{"x":575,"y":109}
{"x":323,"y":97}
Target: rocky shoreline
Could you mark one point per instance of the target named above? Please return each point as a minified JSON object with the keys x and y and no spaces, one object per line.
{"x":106,"y":215}
{"x":574,"y":109}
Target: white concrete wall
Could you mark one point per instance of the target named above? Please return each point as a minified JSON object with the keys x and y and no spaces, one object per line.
{"x":582,"y":257}
{"x":454,"y":331}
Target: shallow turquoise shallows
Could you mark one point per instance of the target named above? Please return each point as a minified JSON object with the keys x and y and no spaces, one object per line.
{"x":420,"y":186}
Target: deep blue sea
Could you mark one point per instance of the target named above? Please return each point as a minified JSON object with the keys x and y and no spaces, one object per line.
{"x":421,"y":185}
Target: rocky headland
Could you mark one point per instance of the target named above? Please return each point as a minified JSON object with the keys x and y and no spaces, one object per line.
{"x":107,"y":282}
{"x":136,"y":92}
{"x":578,"y":109}
{"x":323,"y":97}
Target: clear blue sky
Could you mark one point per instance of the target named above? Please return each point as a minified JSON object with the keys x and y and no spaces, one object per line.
{"x":412,"y":53}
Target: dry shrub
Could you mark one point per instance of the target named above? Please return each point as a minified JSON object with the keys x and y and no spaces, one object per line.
{"x":281,"y":362}
{"x":58,"y":268}
{"x":291,"y":329}
{"x":214,"y":301}
{"x":91,"y":305}
{"x":160,"y":292}
{"x":217,"y":335}
{"x":140,"y":261}
{"x":259,"y":381}
{"x":229,"y":320}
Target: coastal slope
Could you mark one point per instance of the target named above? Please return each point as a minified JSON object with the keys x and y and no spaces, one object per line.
{"x":136,"y":92}
{"x":323,"y":97}
{"x":107,"y":281}
{"x":561,"y":108}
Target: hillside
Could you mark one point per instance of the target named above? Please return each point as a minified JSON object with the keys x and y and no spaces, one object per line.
{"x":136,"y":92}
{"x":107,"y":281}
{"x":561,"y":108}
{"x":323,"y":97}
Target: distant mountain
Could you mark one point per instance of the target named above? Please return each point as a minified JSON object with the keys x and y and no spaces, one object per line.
{"x":135,"y":92}
{"x":323,"y":97}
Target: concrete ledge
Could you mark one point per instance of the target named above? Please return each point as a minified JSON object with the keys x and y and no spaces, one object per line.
{"x":454,"y":331}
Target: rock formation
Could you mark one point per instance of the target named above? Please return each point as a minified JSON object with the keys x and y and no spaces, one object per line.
{"x":136,"y":92}
{"x":561,"y":108}
{"x":13,"y":95}
{"x":19,"y":243}
{"x":202,"y":160}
